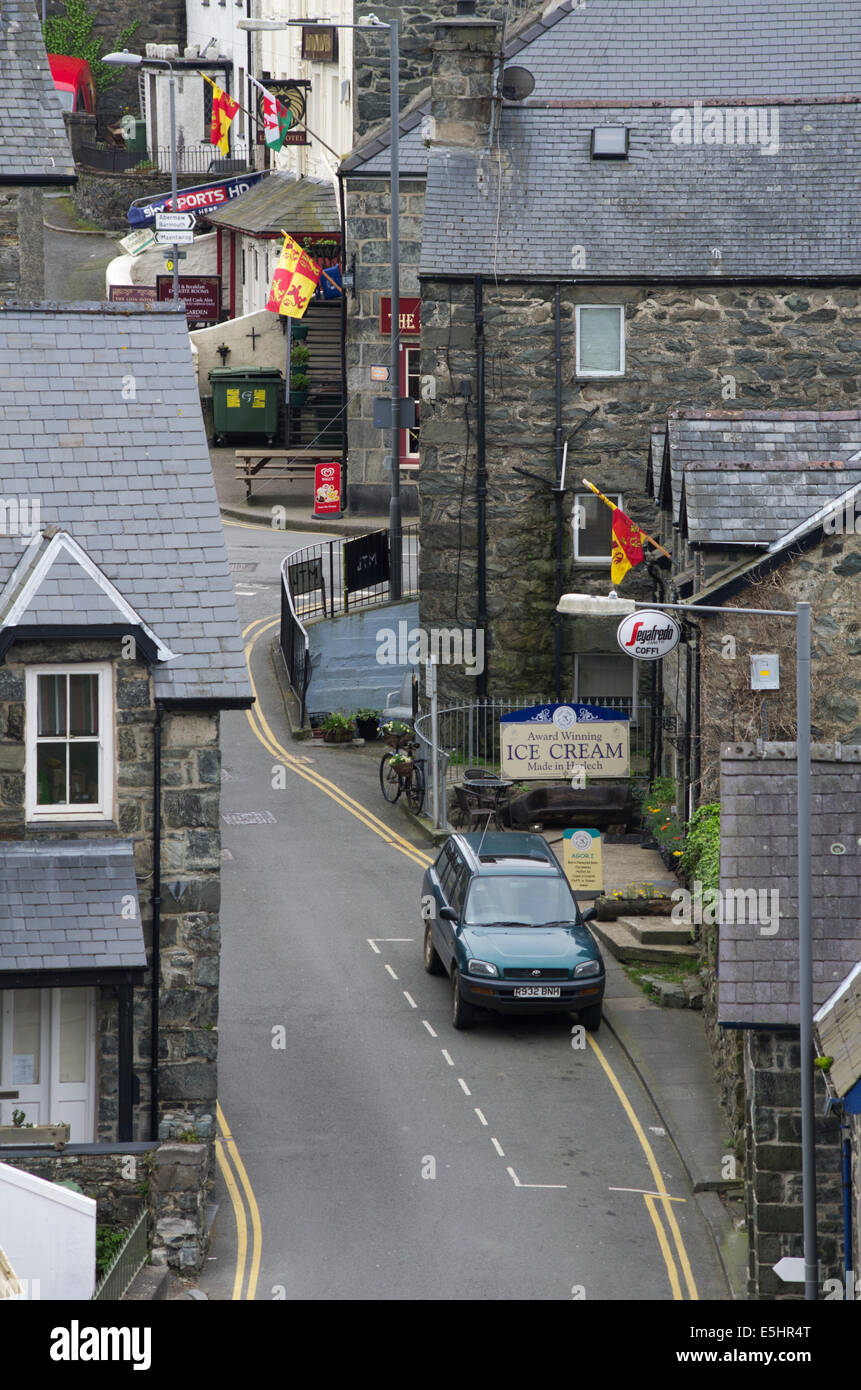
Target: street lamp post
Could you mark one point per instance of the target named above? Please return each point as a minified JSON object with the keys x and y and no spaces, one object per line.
{"x":134,"y":60}
{"x":597,"y":606}
{"x":371,"y":22}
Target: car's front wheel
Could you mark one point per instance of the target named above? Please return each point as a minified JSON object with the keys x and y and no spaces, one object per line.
{"x":433,"y":964}
{"x":591,"y":1018}
{"x":462,"y":1012}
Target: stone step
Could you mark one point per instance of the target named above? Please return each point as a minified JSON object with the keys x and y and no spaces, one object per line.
{"x":625,"y":946}
{"x":657,"y":931}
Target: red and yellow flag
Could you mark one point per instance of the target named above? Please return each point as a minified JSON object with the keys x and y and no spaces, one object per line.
{"x":224,"y":108}
{"x":295,"y":280}
{"x":626,"y":539}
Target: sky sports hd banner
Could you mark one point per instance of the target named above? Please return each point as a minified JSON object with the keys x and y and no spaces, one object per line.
{"x":203,"y":198}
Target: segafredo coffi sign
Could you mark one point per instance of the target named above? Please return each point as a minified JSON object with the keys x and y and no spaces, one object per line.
{"x":647,"y":635}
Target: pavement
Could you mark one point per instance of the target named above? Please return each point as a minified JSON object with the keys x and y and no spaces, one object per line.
{"x":294,"y":500}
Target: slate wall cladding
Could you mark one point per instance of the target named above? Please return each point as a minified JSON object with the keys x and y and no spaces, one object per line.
{"x":773,"y":346}
{"x":191,"y":864}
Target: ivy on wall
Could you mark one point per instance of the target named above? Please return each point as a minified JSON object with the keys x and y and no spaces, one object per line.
{"x":71,"y":34}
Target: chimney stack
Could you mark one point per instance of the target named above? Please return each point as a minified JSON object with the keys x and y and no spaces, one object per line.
{"x":462,"y":79}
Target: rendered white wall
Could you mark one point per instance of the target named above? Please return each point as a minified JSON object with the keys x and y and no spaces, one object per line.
{"x":48,"y":1234}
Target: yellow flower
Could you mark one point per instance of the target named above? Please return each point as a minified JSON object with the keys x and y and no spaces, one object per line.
{"x":677,"y":853}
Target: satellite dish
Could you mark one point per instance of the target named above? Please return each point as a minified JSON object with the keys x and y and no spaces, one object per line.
{"x":517,"y":84}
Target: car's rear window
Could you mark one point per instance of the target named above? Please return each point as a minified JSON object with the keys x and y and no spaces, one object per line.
{"x":529,"y":899}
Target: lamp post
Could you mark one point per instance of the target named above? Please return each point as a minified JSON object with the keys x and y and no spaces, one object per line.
{"x":134,"y":60}
{"x":594,"y":605}
{"x":372,"y":22}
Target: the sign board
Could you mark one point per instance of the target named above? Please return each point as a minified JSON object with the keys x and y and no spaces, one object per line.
{"x":131,"y":294}
{"x":383,"y":413}
{"x":320,"y":43}
{"x":305,"y":576}
{"x":379,"y":374}
{"x":547,"y":742}
{"x":139,"y":241}
{"x":327,"y":489}
{"x":174,"y":238}
{"x":366,"y":560}
{"x":409,"y":314}
{"x":581,"y":860}
{"x":202,"y":198}
{"x":201,"y":295}
{"x":291,"y":95}
{"x":647,"y":635}
{"x":174,"y":221}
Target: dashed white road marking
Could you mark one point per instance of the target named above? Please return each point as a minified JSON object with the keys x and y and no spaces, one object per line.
{"x":391,"y":972}
{"x":496,"y":1144}
{"x":409,"y":998}
{"x":480,"y":1116}
{"x":514,"y":1178}
{"x":430,"y":1030}
{"x":445,"y":1053}
{"x":373,"y":946}
{"x":463,"y":1086}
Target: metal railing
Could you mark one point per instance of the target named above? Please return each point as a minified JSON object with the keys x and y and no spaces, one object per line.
{"x":294,"y":644}
{"x":116,"y":159}
{"x":126,"y":1264}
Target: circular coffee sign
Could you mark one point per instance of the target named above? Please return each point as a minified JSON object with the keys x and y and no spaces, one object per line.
{"x":647,"y":635}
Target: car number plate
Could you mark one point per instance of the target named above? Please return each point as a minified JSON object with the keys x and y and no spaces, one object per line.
{"x":538,"y":992}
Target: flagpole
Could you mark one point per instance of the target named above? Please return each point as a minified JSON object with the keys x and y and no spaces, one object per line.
{"x":614,"y":507}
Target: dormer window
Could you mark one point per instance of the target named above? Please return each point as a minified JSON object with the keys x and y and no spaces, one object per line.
{"x":610,"y":142}
{"x":70,"y":737}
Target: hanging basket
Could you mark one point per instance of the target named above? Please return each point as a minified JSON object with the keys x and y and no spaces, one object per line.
{"x":300,"y":332}
{"x":404,"y":768}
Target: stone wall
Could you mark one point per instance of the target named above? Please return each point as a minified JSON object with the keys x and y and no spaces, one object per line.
{"x":22,"y":244}
{"x":105,"y":198}
{"x":780,"y":347}
{"x":191,"y":869}
{"x":416,"y":21}
{"x":117,"y":1179}
{"x":773,"y":1167}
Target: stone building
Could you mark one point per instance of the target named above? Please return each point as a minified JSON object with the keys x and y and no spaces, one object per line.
{"x":758,"y":986}
{"x":120,"y":647}
{"x":638,"y":282}
{"x":34,"y":151}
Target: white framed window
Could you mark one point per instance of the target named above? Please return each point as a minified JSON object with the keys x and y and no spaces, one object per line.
{"x":608,"y":679}
{"x":600,"y":339}
{"x":70,"y":742}
{"x":411,"y":386}
{"x":592,"y":523}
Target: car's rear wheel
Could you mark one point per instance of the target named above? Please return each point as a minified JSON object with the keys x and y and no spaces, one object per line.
{"x":591,"y":1018}
{"x":462,"y":1012}
{"x":433,"y":964}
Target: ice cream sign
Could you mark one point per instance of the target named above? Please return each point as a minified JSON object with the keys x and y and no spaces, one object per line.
{"x":647,"y":634}
{"x":327,"y":489}
{"x":553,"y":741}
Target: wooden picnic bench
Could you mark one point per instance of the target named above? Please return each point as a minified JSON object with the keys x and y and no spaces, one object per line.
{"x":290,"y":463}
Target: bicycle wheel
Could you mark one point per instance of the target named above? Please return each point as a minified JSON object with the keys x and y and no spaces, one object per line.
{"x":415,"y":788}
{"x":390,"y":782}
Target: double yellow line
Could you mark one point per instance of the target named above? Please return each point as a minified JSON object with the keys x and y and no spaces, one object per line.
{"x":226,"y":1147}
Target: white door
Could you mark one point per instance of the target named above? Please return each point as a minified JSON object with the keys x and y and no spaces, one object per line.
{"x":47,"y":1055}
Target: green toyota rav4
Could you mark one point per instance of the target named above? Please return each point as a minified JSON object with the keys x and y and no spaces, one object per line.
{"x":502,"y":922}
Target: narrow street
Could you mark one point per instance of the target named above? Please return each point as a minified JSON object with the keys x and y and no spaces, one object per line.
{"x":390,"y":1157}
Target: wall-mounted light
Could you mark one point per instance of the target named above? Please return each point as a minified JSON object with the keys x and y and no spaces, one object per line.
{"x":610,"y":142}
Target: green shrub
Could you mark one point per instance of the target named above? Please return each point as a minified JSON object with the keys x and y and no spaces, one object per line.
{"x":71,"y":34}
{"x":701,"y":856}
{"x":108,"y":1242}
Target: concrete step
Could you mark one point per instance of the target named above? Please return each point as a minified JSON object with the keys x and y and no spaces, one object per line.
{"x":625,"y":946}
{"x":657,"y":931}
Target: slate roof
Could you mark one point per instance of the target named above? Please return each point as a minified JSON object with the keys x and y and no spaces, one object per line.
{"x":281,"y":200}
{"x":61,"y":906}
{"x":657,"y":215}
{"x":33,"y":144}
{"x":758,"y":972}
{"x":749,"y":477}
{"x":130,"y":479}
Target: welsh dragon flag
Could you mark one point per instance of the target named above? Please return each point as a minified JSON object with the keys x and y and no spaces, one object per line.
{"x":277,"y":120}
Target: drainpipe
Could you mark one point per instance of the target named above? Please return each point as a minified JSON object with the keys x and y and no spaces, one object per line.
{"x":343,"y":341}
{"x":848,"y":1276}
{"x":696,"y":741}
{"x":156,"y":914}
{"x":558,"y":492}
{"x":481,"y":480}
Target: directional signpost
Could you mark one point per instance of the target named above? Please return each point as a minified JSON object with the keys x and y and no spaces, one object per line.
{"x":175,"y":238}
{"x":174,"y":221}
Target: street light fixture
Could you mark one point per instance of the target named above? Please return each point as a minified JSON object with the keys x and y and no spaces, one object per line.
{"x":575,"y":604}
{"x":134,"y":60}
{"x":371,"y":21}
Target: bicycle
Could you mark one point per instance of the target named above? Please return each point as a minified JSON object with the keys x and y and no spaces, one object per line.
{"x":409,"y":779}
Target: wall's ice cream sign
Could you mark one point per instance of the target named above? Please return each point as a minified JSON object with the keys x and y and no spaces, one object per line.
{"x":554,"y":741}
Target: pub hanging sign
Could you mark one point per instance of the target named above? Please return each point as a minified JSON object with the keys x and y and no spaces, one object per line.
{"x":320,"y":43}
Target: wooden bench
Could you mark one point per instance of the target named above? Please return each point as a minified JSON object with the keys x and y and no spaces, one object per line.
{"x":290,"y":463}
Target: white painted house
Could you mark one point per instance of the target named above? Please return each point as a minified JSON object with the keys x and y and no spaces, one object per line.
{"x":48,"y":1234}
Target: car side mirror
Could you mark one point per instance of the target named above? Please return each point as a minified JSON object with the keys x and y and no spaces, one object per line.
{"x":447,"y":914}
{"x":590,"y":914}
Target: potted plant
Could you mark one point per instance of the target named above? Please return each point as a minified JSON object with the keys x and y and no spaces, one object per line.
{"x":337,"y":728}
{"x":394,"y":731}
{"x":299,"y":381}
{"x":367,"y":724}
{"x":402,"y":763}
{"x":299,"y":331}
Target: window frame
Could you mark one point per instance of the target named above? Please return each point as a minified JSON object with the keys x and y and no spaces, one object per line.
{"x":408,"y":459}
{"x":581,"y":699}
{"x":593,"y":560}
{"x":104,"y":810}
{"x":581,"y":371}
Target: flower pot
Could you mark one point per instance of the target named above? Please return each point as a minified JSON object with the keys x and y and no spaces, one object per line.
{"x":24,"y":1136}
{"x":393,"y":740}
{"x":338,"y":736}
{"x":298,"y":399}
{"x":300,"y":332}
{"x":405,"y":768}
{"x":368,"y":729}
